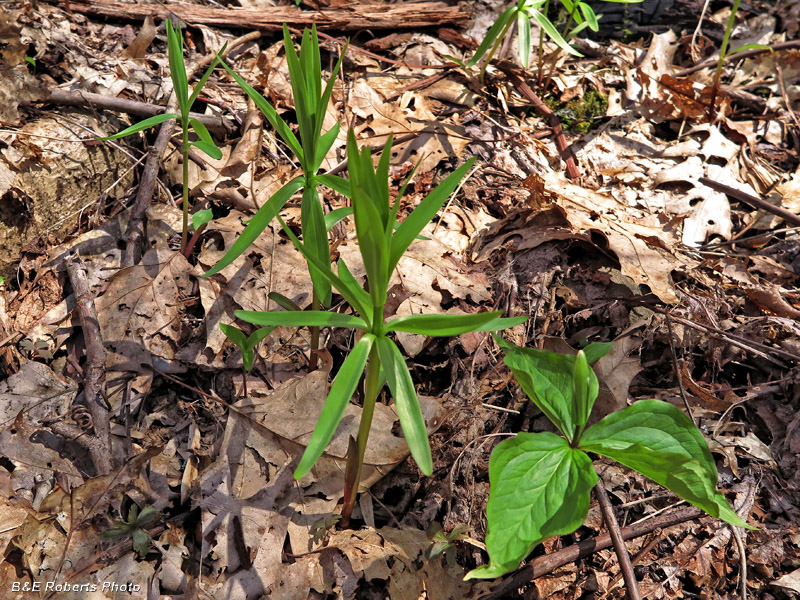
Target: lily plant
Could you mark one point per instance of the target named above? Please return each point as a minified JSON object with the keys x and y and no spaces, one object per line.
{"x":180,"y":82}
{"x":381,"y":247}
{"x":540,"y":482}
{"x":311,"y":101}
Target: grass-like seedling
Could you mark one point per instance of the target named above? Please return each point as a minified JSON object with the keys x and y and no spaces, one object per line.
{"x":580,"y":13}
{"x":180,"y":82}
{"x":381,"y":248}
{"x":311,"y":101}
{"x":247,"y":345}
{"x":540,"y":482}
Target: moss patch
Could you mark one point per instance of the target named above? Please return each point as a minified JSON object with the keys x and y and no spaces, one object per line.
{"x":580,"y":114}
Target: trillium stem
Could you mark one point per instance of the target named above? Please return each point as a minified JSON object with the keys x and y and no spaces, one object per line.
{"x":625,"y":564}
{"x":372,"y":386}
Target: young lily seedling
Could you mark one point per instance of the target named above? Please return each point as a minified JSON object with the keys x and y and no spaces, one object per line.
{"x":247,"y":345}
{"x":180,"y":82}
{"x":381,"y":248}
{"x":540,"y":482}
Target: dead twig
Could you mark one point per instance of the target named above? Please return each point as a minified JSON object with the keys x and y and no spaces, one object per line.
{"x":558,"y":134}
{"x":94,"y":373}
{"x":753,"y":201}
{"x":625,"y":566}
{"x":546,"y":564}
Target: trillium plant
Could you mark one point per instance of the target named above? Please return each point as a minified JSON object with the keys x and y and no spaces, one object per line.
{"x":381,"y":248}
{"x":540,"y":482}
{"x":180,"y":82}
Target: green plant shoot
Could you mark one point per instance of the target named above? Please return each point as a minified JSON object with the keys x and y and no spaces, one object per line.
{"x":133,"y":527}
{"x":381,"y":248}
{"x":540,"y":483}
{"x":180,"y":82}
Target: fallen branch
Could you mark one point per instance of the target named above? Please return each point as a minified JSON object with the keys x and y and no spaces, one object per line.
{"x":754,"y":201}
{"x":546,"y":564}
{"x":353,"y":17}
{"x":94,"y":372}
{"x":79,"y":98}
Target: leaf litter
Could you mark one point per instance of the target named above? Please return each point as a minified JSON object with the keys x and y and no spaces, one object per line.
{"x":698,"y":289}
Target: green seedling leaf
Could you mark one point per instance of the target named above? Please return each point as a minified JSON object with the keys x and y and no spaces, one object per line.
{"x":553,"y":33}
{"x":524,"y":38}
{"x":501,"y":323}
{"x":424,"y":212}
{"x":257,"y":224}
{"x":407,"y":403}
{"x":118,"y":530}
{"x":751,"y":47}
{"x":206,"y":143}
{"x":140,"y":126}
{"x":235,"y":335}
{"x":659,"y":441}
{"x":339,"y":397}
{"x":358,"y":292}
{"x":540,"y":487}
{"x":305,"y":318}
{"x":201,"y":217}
{"x":324,"y":145}
{"x":492,"y":35}
{"x":336,"y":183}
{"x":145,"y":517}
{"x":204,"y":79}
{"x":141,"y":541}
{"x":441,"y":325}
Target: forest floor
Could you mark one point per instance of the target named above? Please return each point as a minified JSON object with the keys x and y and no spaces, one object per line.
{"x":585,"y":211}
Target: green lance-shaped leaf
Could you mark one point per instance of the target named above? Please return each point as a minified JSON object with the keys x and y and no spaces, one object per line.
{"x":405,"y":398}
{"x":553,"y":33}
{"x":140,"y":126}
{"x":204,"y":79}
{"x":177,"y":68}
{"x":206,"y":143}
{"x":441,"y":325}
{"x":424,"y":212}
{"x":336,"y":183}
{"x":540,"y":487}
{"x":315,"y":240}
{"x":492,"y":34}
{"x":272,"y":116}
{"x":336,"y":215}
{"x":597,"y":350}
{"x":658,"y":440}
{"x":589,"y":15}
{"x":201,"y":217}
{"x":339,"y":397}
{"x":524,"y":38}
{"x":257,"y":224}
{"x":303,"y":318}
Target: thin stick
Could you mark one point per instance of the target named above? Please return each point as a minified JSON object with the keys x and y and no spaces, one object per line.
{"x":625,"y":565}
{"x":677,"y":371}
{"x":94,"y":374}
{"x":753,"y":201}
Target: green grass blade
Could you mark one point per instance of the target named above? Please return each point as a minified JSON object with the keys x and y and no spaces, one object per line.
{"x":284,"y":131}
{"x":339,"y":397}
{"x":406,"y":402}
{"x":423,"y":214}
{"x":491,"y":35}
{"x":303,"y":318}
{"x":440,"y":325}
{"x":257,"y":224}
{"x":140,"y":126}
{"x":315,"y":239}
